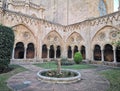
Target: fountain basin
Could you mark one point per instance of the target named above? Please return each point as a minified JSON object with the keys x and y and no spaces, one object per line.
{"x":75,"y":78}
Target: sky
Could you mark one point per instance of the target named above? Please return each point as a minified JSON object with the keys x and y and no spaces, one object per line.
{"x":116,"y":4}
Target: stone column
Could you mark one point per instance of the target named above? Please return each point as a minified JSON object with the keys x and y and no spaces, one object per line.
{"x":13,"y":52}
{"x":102,"y":55}
{"x":48,"y":53}
{"x":25,"y":52}
{"x":114,"y":54}
{"x":55,"y":52}
{"x":72,"y":51}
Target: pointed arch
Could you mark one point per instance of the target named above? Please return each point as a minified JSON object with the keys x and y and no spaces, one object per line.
{"x":101,"y":28}
{"x":75,"y":33}
{"x":24,"y":25}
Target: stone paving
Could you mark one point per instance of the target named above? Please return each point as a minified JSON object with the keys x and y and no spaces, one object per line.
{"x":27,"y":81}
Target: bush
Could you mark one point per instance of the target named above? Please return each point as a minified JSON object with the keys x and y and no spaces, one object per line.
{"x":65,"y":61}
{"x":6,"y":46}
{"x":78,"y":57}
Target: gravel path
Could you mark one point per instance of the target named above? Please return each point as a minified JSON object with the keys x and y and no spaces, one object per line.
{"x":27,"y":81}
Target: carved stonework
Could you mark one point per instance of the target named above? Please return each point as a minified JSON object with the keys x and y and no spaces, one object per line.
{"x":26,"y":35}
{"x":113,"y":35}
{"x":101,"y":36}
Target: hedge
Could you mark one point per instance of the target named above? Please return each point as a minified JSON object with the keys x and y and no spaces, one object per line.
{"x":6,"y":46}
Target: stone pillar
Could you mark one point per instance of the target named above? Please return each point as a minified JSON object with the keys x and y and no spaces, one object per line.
{"x":48,"y":53}
{"x":72,"y":51}
{"x":25,"y":52}
{"x":102,"y":55}
{"x":55,"y":52}
{"x":13,"y":52}
{"x":114,"y":54}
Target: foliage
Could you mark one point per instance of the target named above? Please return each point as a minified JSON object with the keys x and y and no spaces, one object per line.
{"x":117,"y":43}
{"x":113,"y":76}
{"x":6,"y":46}
{"x":5,"y":76}
{"x":65,"y":61}
{"x":77,"y":57}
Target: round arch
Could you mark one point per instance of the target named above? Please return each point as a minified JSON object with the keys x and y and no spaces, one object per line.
{"x":108,"y":53}
{"x":19,"y":50}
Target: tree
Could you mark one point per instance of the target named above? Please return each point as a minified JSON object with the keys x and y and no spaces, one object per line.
{"x":6,"y":46}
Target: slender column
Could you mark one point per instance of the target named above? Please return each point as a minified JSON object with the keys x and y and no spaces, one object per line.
{"x":48,"y":52}
{"x":25,"y":52}
{"x":13,"y":52}
{"x":72,"y":52}
{"x":114,"y":53}
{"x":102,"y":55}
{"x":93,"y":55}
{"x":55,"y":52}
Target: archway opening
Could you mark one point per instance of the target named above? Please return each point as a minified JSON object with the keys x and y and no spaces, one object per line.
{"x":83,"y":52}
{"x":108,"y":53}
{"x":44,"y":51}
{"x":19,"y":51}
{"x":30,"y":51}
{"x":118,"y":54}
{"x":69,"y":52}
{"x":97,"y":53}
{"x":51,"y":51}
{"x":58,"y":52}
{"x":75,"y":49}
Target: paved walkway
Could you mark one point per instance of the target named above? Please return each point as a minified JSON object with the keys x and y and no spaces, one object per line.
{"x":27,"y":81}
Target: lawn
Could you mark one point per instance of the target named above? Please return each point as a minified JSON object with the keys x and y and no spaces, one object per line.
{"x":113,"y":76}
{"x":52,"y":65}
{"x":5,"y":76}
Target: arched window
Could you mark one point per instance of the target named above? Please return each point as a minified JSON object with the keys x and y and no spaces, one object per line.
{"x":97,"y":53}
{"x":58,"y":52}
{"x":30,"y":51}
{"x":83,"y":52}
{"x":75,"y":49}
{"x":44,"y":51}
{"x":108,"y":53}
{"x":51,"y":52}
{"x":19,"y":51}
{"x":69,"y":52}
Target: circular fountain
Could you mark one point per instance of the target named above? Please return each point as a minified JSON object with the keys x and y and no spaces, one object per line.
{"x":66,"y":76}
{"x":59,"y":75}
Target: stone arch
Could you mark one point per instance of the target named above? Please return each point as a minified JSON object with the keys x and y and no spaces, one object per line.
{"x":101,"y":28}
{"x":108,"y":53}
{"x":74,"y":37}
{"x":53,"y":38}
{"x":97,"y":52}
{"x":44,"y":51}
{"x":75,"y":49}
{"x":58,"y":52}
{"x":83,"y":51}
{"x":69,"y":53}
{"x":19,"y":50}
{"x":30,"y":53}
{"x":24,"y":25}
{"x":52,"y":52}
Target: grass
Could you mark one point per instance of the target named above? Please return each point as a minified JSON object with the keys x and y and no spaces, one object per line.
{"x":113,"y":76}
{"x":5,"y":76}
{"x":52,"y":65}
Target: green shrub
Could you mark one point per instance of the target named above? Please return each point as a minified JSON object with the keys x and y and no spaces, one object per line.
{"x":77,"y":57}
{"x":6,"y":46}
{"x":65,"y":61}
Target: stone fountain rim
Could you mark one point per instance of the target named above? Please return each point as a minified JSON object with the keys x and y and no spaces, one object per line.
{"x":59,"y":80}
